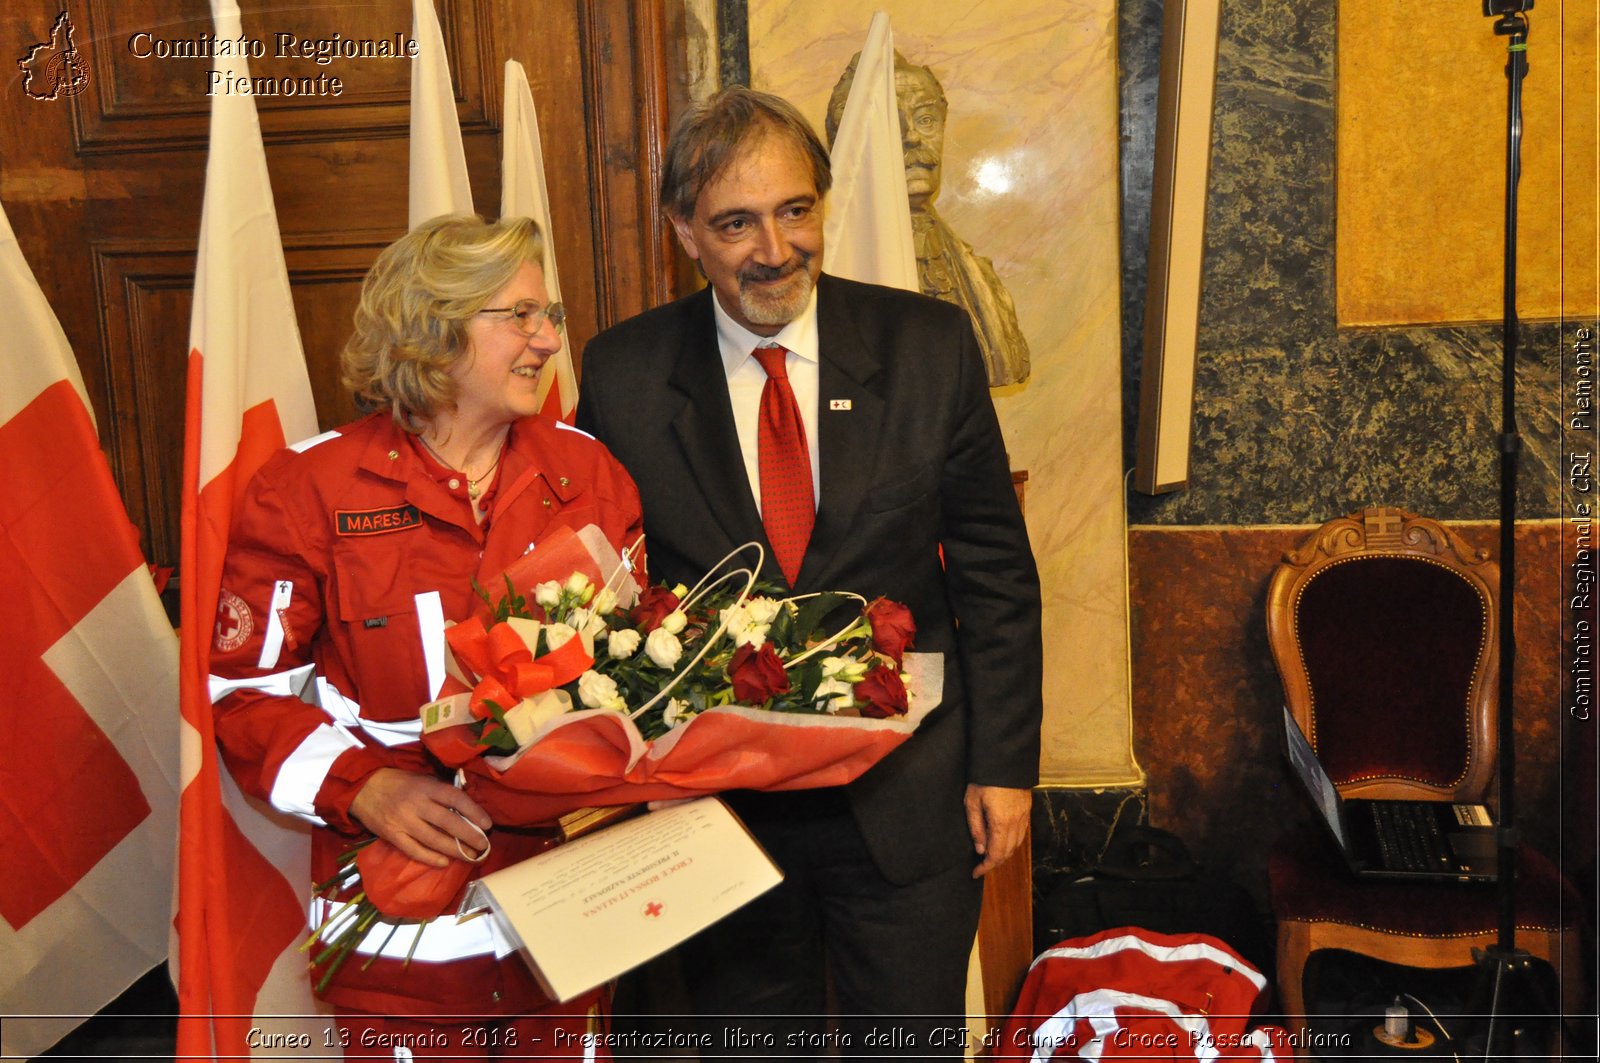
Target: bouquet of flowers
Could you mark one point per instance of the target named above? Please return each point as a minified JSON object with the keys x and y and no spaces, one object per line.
{"x":570,"y":690}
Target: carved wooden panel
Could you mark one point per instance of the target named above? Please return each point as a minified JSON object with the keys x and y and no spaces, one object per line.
{"x":150,"y":70}
{"x":631,"y":88}
{"x":325,"y":281}
{"x":145,"y":294}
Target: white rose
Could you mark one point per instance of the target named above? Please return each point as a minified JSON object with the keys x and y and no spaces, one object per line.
{"x":763,"y":610}
{"x":548,"y":594}
{"x":680,"y":592}
{"x":743,"y":625}
{"x":558,"y":635}
{"x":674,"y":621}
{"x":605,"y":602}
{"x":677,"y":710}
{"x":577,"y":584}
{"x":624,"y":643}
{"x":663,"y":647}
{"x":840,"y":693}
{"x":599,"y":692}
{"x":587,"y":623}
{"x":844,"y":669}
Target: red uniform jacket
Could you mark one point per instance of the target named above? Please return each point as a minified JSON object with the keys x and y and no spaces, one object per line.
{"x":339,"y":555}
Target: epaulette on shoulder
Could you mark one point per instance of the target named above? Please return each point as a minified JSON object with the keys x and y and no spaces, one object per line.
{"x":570,"y":428}
{"x":306,"y":444}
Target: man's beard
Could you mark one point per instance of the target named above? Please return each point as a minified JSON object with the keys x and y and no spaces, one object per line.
{"x":782,"y":304}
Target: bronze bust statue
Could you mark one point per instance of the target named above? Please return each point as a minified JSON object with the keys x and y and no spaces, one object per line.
{"x":946,"y":264}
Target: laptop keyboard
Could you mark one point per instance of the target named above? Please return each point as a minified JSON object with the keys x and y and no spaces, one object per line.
{"x":1409,"y":838}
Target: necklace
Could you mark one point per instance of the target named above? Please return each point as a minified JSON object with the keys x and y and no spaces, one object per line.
{"x":474,"y":486}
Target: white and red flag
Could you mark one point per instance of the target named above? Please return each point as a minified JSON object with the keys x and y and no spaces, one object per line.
{"x":868,"y":227}
{"x":523,"y":195}
{"x":439,"y":183}
{"x":243,"y":869}
{"x":88,"y":735}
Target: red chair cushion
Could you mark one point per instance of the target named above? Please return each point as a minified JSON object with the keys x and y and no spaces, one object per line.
{"x":1390,"y":645}
{"x":1309,"y":883}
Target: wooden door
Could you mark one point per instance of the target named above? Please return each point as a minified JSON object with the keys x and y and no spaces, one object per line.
{"x":104,"y":182}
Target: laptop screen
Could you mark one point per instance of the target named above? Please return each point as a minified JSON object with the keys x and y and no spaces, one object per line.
{"x":1316,"y":781}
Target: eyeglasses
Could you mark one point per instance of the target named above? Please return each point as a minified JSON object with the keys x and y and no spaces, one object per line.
{"x":529,"y":317}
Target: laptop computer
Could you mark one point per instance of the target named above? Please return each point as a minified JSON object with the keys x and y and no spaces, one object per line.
{"x":1414,"y":839}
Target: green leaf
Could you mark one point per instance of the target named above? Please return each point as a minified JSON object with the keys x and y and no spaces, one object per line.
{"x":502,"y":740}
{"x":513,"y":603}
{"x":806,"y":679}
{"x":781,"y":633}
{"x":812,"y":613}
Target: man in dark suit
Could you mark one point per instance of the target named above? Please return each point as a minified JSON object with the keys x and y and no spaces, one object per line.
{"x":864,"y":453}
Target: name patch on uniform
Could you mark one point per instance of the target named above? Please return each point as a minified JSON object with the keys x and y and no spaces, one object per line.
{"x":377,"y":521}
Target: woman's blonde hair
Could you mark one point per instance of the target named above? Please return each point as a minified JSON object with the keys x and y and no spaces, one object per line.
{"x":411,"y":324}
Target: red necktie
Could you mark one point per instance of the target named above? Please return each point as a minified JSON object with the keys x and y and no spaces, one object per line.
{"x":788,"y":508}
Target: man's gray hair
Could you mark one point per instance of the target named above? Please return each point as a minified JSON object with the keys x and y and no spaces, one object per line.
{"x":712,"y":134}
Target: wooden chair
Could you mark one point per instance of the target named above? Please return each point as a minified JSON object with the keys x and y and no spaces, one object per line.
{"x":1383,"y":625}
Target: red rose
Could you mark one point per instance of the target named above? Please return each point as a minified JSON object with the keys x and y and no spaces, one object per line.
{"x":893,"y":630}
{"x":757,"y":674}
{"x":654,"y":606}
{"x":881,"y":693}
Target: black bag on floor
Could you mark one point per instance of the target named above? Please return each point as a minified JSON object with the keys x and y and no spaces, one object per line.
{"x":1147,"y":878}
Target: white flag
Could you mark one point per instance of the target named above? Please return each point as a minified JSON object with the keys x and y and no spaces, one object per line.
{"x":439,"y":183}
{"x":867,"y":231}
{"x":244,"y":870}
{"x":89,"y":764}
{"x":868,"y":227}
{"x":523,"y":195}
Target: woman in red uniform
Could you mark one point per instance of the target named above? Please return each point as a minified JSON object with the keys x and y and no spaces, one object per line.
{"x":349,"y":553}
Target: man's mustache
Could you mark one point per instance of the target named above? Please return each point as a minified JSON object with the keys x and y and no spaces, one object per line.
{"x":755,"y":272}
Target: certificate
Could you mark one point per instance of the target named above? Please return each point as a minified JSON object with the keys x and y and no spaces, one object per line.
{"x":585,"y":912}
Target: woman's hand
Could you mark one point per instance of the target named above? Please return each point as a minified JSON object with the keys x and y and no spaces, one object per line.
{"x":424,"y":818}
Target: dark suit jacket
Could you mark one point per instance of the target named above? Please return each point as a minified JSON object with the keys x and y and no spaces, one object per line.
{"x":915,"y":463}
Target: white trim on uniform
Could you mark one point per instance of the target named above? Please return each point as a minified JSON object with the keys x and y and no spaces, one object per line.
{"x":302,"y":772}
{"x":442,"y":940}
{"x":430,"y":625}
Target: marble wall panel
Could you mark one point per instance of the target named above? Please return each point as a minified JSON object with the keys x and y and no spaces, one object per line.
{"x":1207,"y":703}
{"x":1030,"y":179}
{"x":1296,"y":419}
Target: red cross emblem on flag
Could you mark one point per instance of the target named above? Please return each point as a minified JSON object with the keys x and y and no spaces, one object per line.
{"x":71,"y":797}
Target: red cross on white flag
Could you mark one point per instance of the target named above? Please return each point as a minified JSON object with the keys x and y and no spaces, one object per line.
{"x":88,"y":764}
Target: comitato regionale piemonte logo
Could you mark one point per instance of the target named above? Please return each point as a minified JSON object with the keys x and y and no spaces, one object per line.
{"x":53,"y":68}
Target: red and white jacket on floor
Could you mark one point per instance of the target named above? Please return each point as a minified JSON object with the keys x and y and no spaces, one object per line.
{"x":1133,"y":993}
{"x":346,"y":552}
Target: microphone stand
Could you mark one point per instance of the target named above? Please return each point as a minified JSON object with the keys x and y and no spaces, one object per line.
{"x":1504,"y":972}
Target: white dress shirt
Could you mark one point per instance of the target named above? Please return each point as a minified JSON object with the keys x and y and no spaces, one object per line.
{"x":746,"y":379}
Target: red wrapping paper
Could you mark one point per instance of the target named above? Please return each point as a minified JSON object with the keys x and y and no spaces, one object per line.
{"x":597,"y":757}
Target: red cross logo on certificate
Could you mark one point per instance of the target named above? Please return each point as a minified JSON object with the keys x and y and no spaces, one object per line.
{"x":653,"y":910}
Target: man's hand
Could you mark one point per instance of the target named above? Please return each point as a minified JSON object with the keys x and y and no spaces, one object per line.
{"x":997,"y":816}
{"x":422,"y":817}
